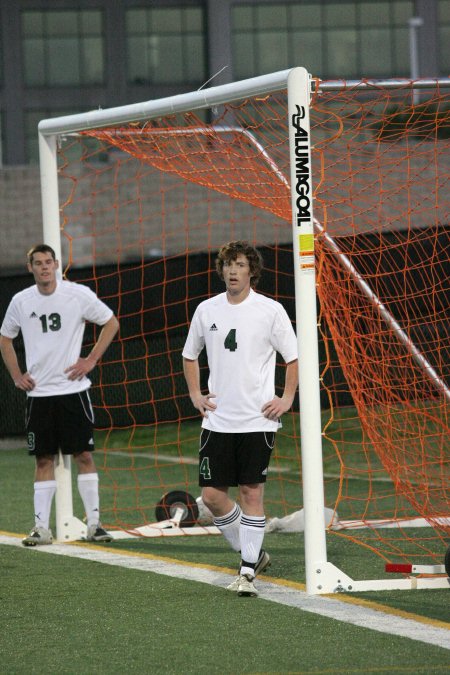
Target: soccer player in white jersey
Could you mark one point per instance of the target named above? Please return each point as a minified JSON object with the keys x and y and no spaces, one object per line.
{"x":51,"y":316}
{"x":242,"y":331}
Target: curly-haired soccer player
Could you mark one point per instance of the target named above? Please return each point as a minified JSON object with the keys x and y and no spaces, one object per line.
{"x":242,"y":331}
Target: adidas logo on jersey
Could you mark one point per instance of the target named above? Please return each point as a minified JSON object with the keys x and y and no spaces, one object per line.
{"x":214,"y":327}
{"x":264,"y":473}
{"x":33,"y":315}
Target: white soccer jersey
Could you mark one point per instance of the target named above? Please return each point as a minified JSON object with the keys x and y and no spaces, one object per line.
{"x":241,"y":343}
{"x":52,"y":328}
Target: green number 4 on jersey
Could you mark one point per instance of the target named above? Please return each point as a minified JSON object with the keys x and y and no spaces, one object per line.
{"x":230,"y":341}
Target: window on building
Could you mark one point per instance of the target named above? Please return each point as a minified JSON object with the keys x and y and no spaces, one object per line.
{"x":63,"y":48}
{"x":165,"y":45}
{"x":341,"y":39}
{"x":444,"y":36}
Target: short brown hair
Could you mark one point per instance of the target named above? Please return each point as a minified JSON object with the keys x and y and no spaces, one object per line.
{"x":40,"y":248}
{"x":231,"y":251}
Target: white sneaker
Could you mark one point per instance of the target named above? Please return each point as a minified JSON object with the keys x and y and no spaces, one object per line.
{"x":262,"y":564}
{"x":246,"y":587}
{"x":38,"y":536}
{"x":97,"y":533}
{"x":234,"y":585}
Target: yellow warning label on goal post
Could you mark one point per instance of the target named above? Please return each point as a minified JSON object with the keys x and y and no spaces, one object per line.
{"x":306,"y":244}
{"x":306,"y":252}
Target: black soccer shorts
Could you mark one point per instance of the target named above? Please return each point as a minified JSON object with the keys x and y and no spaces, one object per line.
{"x":63,"y":423}
{"x":227,"y":460}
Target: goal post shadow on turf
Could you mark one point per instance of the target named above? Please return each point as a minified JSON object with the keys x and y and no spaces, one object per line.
{"x":321,"y":575}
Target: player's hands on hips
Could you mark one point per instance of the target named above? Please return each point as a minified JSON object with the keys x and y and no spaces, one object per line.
{"x":203,"y":403}
{"x":276,"y":408}
{"x":80,"y":369}
{"x":25,"y":382}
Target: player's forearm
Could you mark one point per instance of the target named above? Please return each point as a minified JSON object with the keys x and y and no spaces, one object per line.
{"x":290,"y":382}
{"x":83,"y":366}
{"x":106,"y":336}
{"x":191,"y":371}
{"x":9,"y":357}
{"x":203,"y":403}
{"x":275,"y":408}
{"x":23,"y":381}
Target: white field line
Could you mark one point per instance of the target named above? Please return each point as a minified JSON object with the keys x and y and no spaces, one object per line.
{"x":170,"y":459}
{"x":332,"y":608}
{"x":9,"y":444}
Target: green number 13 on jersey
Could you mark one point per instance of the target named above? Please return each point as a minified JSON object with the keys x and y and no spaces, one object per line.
{"x":52,"y":322}
{"x":230,"y":341}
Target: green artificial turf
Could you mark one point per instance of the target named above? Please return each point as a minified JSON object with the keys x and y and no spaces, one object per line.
{"x":64,"y":615}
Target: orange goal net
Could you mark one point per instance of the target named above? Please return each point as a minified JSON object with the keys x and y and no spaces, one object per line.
{"x":145,"y":206}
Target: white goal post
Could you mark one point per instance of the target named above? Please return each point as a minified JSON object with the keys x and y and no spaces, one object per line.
{"x":321,"y":575}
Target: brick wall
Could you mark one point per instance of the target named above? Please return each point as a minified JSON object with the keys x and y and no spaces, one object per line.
{"x":125,"y":227}
{"x":390,"y":188}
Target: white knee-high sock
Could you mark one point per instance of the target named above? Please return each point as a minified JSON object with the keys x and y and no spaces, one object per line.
{"x":251,"y":536}
{"x":229,"y":526}
{"x":44,"y":491}
{"x":88,"y":489}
